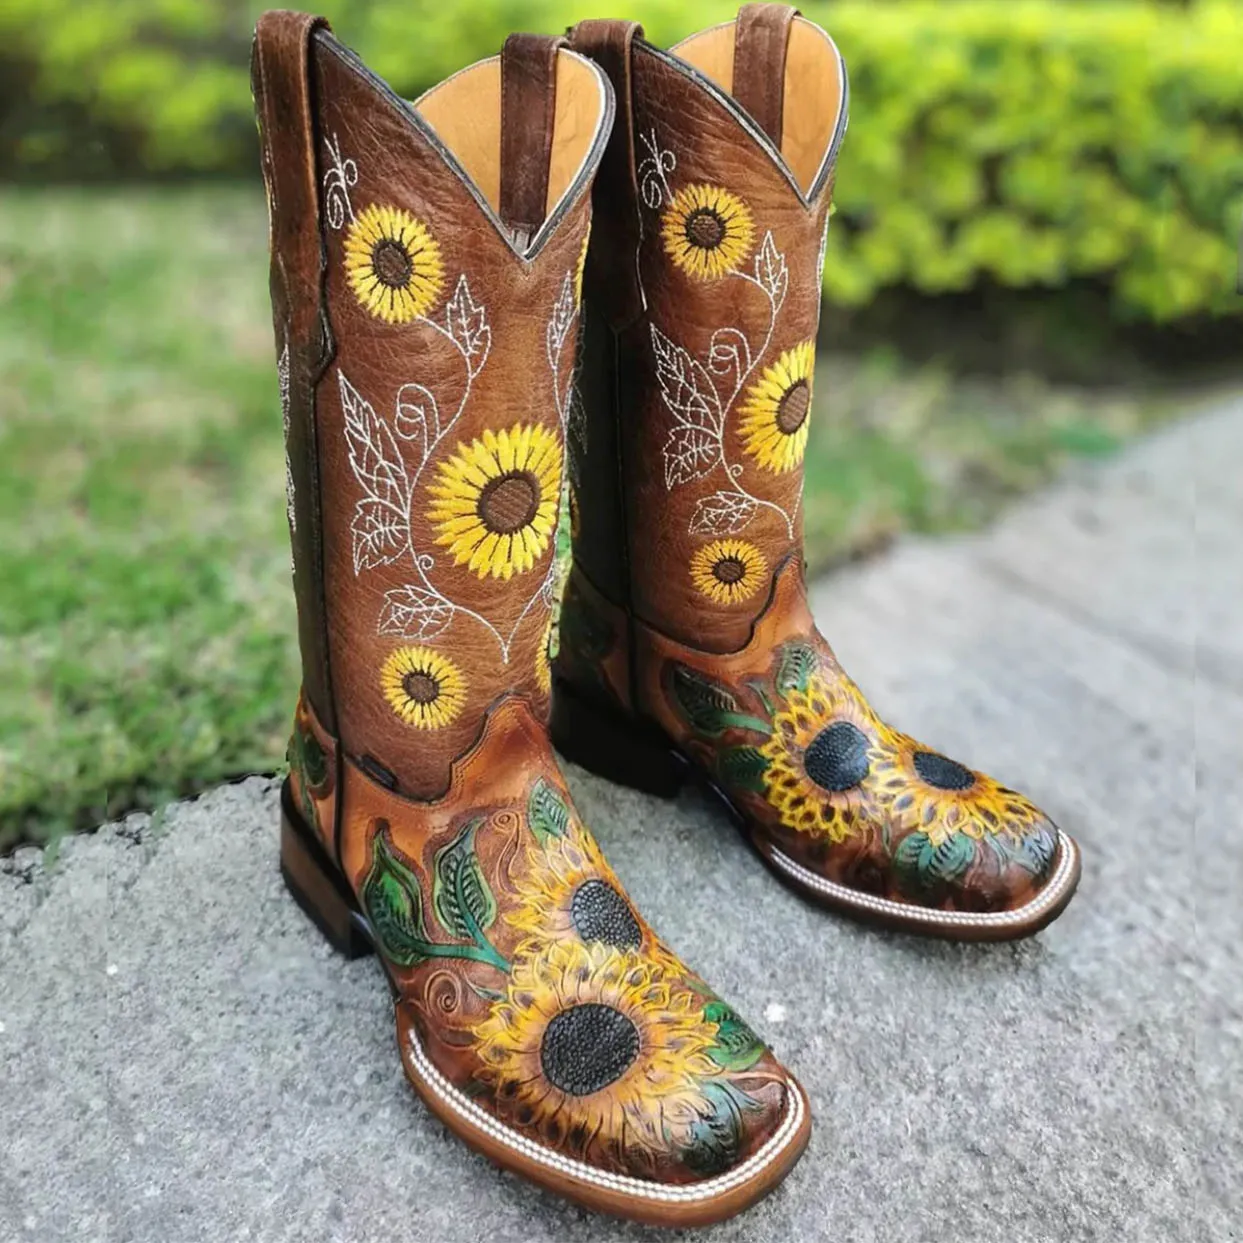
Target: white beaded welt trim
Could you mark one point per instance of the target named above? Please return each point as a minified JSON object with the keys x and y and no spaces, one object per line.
{"x":710,"y":1188}
{"x":926,"y":915}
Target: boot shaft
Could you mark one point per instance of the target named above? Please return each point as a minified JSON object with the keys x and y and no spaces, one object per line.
{"x":426,"y":274}
{"x":703,"y":299}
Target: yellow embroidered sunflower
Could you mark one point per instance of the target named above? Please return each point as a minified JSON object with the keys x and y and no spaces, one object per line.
{"x":568,"y":892}
{"x":596,"y":1051}
{"x":543,"y":662}
{"x":393,"y":264}
{"x":496,"y":500}
{"x":926,"y":792}
{"x":707,"y":231}
{"x":729,"y":571}
{"x":580,"y":267}
{"x":427,"y":690}
{"x":825,"y":745}
{"x":774,"y":422}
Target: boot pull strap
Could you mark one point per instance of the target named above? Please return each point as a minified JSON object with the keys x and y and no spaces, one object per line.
{"x":281,"y":83}
{"x":612,"y":263}
{"x":528,"y":117}
{"x":761,"y":36}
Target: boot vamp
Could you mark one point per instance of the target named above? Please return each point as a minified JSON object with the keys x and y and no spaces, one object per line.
{"x":531,"y":988}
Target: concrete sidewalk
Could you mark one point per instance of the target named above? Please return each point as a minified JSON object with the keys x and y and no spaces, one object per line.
{"x":182,"y":1058}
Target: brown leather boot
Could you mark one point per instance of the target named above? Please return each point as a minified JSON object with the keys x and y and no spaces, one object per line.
{"x":426,"y":274}
{"x":687,"y":645}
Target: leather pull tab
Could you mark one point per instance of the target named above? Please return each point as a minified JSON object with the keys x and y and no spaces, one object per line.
{"x":612,"y":264}
{"x":761,"y":36}
{"x":281,"y":84}
{"x":528,"y":117}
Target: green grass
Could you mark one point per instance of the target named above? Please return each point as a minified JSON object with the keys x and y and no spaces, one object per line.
{"x":146,"y":619}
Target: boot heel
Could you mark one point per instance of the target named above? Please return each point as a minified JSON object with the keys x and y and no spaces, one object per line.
{"x":612,"y":746}
{"x":318,"y":886}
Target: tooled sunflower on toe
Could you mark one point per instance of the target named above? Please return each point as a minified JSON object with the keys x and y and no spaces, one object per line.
{"x":851,"y":811}
{"x":542,"y":1018}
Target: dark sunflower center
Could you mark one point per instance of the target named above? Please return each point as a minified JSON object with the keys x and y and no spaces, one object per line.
{"x":705,"y":229}
{"x":838,"y":757}
{"x":391,"y":261}
{"x":792,"y":408}
{"x":729,"y":570}
{"x":588,"y":1047}
{"x":600,"y":913}
{"x":509,"y":503}
{"x":422,"y":688}
{"x":945,"y":774}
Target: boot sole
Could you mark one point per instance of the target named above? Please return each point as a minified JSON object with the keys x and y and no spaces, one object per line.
{"x":640,"y":756}
{"x":322,"y":892}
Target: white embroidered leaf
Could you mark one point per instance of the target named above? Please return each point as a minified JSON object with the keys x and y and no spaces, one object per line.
{"x":771,"y":270}
{"x":685,"y":385}
{"x":414,"y":613}
{"x":376,"y":461}
{"x":689,"y":453}
{"x":466,"y":321}
{"x":380,"y":532}
{"x":562,"y":320}
{"x":418,"y":416}
{"x":722,"y":513}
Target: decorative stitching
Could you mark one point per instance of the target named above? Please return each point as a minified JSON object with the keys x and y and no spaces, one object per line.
{"x":710,"y":1188}
{"x":282,"y":381}
{"x":381,"y":526}
{"x":338,"y":178}
{"x":1050,"y":894}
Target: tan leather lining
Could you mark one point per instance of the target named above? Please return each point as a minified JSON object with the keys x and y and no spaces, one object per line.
{"x":465,"y":111}
{"x":812,"y":97}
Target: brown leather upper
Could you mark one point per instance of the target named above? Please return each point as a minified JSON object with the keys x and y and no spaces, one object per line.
{"x":427,"y":324}
{"x":497,"y":339}
{"x":687,"y":607}
{"x":685,"y":475}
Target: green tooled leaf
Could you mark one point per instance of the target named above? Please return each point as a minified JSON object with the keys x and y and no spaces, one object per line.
{"x":393,"y":900}
{"x":798,"y":663}
{"x":1034,"y":851}
{"x":584,"y":632}
{"x":710,"y":707}
{"x":715,"y":1137}
{"x":737,"y":1047}
{"x":547,"y":813}
{"x":743,"y":767}
{"x":462,"y":900}
{"x":314,"y":761}
{"x":928,"y":865}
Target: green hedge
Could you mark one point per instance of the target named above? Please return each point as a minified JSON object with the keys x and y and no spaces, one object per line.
{"x":1026,"y":144}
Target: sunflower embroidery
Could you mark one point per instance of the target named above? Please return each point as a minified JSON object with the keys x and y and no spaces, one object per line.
{"x":931,"y":794}
{"x":543,"y":662}
{"x":592,"y":1047}
{"x":728,"y":571}
{"x":393,"y":264}
{"x":568,"y":891}
{"x":825,"y":746}
{"x":774,"y":422}
{"x":424,"y":688}
{"x":580,"y":267}
{"x":707,"y":231}
{"x":496,"y":500}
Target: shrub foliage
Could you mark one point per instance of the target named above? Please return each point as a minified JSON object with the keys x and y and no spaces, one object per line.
{"x":1029,"y":144}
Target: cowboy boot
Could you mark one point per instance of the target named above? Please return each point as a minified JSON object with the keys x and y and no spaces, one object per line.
{"x":687,"y":644}
{"x":426,"y":275}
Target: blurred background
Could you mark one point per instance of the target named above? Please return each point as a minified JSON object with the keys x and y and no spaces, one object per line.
{"x":1033,"y":260}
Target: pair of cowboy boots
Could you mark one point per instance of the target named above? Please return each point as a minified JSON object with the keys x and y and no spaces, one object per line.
{"x":488,"y":405}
